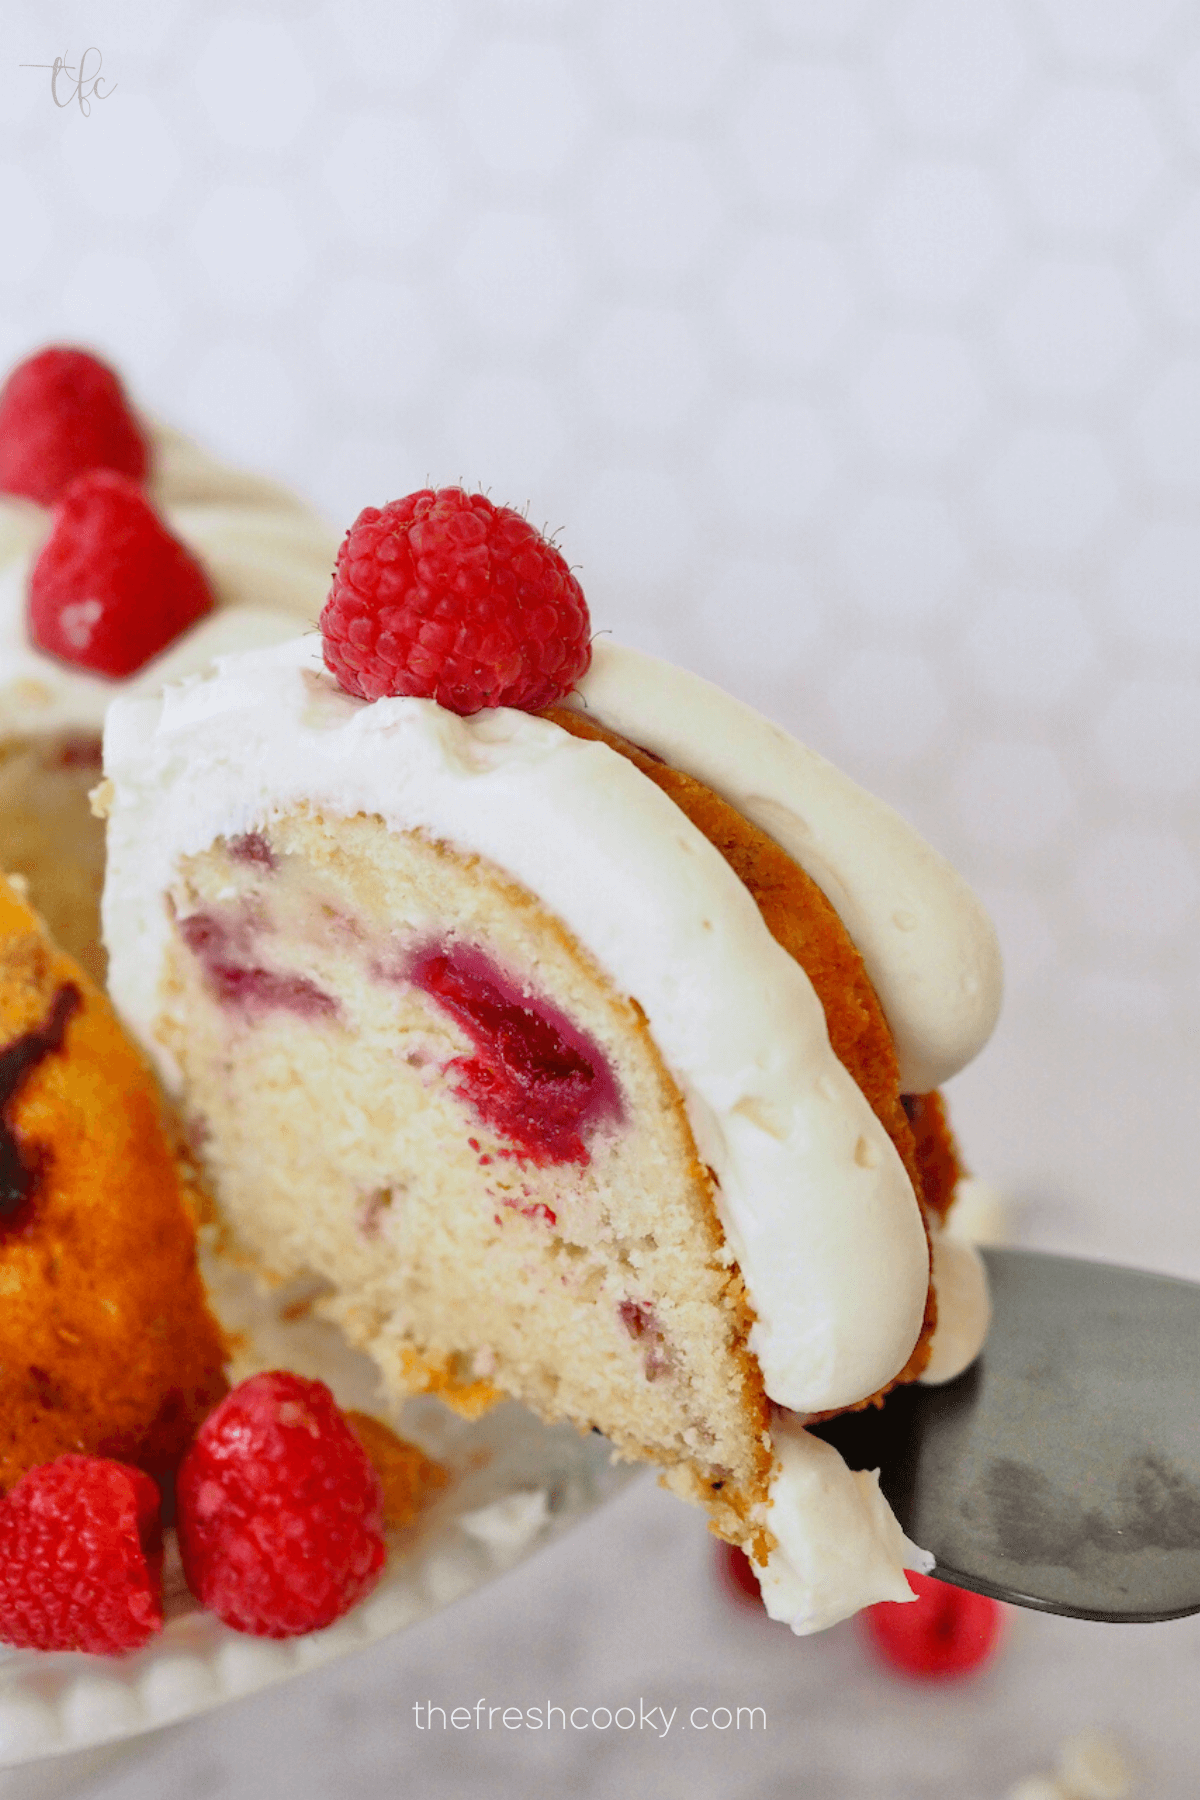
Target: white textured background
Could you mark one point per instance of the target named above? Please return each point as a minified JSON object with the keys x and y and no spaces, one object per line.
{"x":852,"y":346}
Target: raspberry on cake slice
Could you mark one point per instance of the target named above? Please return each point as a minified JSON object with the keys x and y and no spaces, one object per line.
{"x":540,"y":1037}
{"x":127,"y":557}
{"x":63,"y":412}
{"x":446,"y":596}
{"x":111,"y":587}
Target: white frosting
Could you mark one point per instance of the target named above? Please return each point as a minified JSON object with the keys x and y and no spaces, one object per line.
{"x":838,"y":1544}
{"x":268,"y":557}
{"x":929,"y":947}
{"x":814,"y":1199}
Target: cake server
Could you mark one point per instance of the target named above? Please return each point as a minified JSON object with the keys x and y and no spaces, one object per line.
{"x":1062,"y":1470}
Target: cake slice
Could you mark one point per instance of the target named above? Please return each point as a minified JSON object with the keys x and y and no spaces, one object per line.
{"x":553,"y":1062}
{"x":107,"y":1346}
{"x":265,"y":557}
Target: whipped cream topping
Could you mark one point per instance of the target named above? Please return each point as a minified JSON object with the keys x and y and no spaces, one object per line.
{"x":929,"y":947}
{"x":268,"y":557}
{"x":814,"y":1199}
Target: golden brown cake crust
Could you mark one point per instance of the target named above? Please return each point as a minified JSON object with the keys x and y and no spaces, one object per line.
{"x":106,"y":1342}
{"x":937,"y":1153}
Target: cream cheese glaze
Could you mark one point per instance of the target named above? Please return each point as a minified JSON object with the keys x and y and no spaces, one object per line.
{"x":268,"y":557}
{"x":815,"y":1203}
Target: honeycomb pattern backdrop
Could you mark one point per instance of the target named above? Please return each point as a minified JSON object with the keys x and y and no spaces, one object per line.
{"x":852,"y":348}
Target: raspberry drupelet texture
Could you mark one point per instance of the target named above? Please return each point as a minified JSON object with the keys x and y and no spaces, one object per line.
{"x":111,"y":587}
{"x":446,"y":597}
{"x":280,"y":1512}
{"x":63,"y":412}
{"x":81,"y":1558}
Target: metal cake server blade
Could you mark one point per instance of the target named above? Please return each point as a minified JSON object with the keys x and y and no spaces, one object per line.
{"x":1062,"y":1470}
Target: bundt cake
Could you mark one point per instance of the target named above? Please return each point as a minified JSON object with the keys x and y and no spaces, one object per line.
{"x":265,"y":556}
{"x":107,"y":1346}
{"x":586,"y":1058}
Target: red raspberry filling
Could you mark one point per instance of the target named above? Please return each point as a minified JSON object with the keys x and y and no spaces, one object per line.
{"x":944,"y":1633}
{"x":111,"y":587}
{"x":63,"y":412}
{"x":535,"y":1077}
{"x":222,"y":942}
{"x":280,"y":1512}
{"x":641,"y":1322}
{"x":446,"y":597}
{"x":81,"y":1558}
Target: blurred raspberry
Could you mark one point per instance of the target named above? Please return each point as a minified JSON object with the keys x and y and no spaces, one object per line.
{"x":81,"y":1558}
{"x":945,"y":1632}
{"x":280,"y":1513}
{"x":444,"y":596}
{"x":63,"y":412}
{"x":111,"y":587}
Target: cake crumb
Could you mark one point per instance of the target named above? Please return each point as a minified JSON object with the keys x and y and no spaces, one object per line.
{"x":1091,"y":1766}
{"x":27,"y":690}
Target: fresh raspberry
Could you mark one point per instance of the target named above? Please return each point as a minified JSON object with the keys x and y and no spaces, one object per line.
{"x":447,"y":597}
{"x":63,"y":412}
{"x":111,"y":587}
{"x":945,"y":1632}
{"x":280,"y":1513}
{"x":81,"y":1558}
